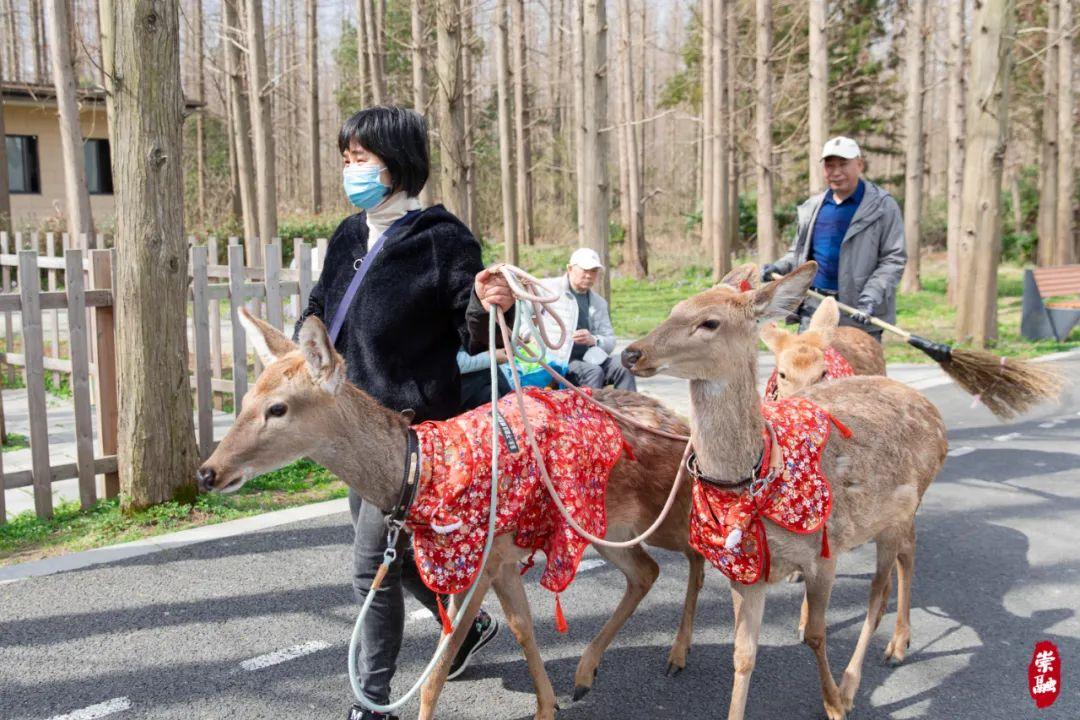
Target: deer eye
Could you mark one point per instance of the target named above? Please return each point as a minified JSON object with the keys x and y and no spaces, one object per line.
{"x":709,"y":325}
{"x":783,"y":376}
{"x":277,"y":410}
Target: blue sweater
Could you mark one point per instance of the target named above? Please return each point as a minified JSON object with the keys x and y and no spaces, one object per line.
{"x":829,"y":229}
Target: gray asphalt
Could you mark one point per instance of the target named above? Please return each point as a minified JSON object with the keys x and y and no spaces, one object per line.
{"x":998,"y":569}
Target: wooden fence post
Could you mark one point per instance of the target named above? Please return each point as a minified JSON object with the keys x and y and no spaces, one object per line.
{"x":215,"y":322}
{"x":104,"y":339}
{"x":9,"y":331}
{"x":203,"y":394}
{"x":239,"y":342}
{"x":54,"y":331}
{"x":80,"y":375}
{"x":34,"y":353}
{"x":303,"y":272}
{"x":272,"y":282}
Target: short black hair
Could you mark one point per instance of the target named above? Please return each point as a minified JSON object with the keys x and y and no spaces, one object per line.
{"x":399,"y":137}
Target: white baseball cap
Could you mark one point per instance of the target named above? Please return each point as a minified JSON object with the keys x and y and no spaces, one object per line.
{"x":586,"y":259}
{"x":841,"y":146}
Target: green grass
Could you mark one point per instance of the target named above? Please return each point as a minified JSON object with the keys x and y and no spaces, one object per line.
{"x":26,"y":537}
{"x":15,"y":441}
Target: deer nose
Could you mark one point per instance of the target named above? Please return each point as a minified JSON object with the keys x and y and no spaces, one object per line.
{"x":205,"y":478}
{"x":629,"y":357}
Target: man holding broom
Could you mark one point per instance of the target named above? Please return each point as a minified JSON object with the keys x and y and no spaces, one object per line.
{"x":855,"y":233}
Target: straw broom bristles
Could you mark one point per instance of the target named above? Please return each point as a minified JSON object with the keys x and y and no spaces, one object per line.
{"x":1007,"y":387}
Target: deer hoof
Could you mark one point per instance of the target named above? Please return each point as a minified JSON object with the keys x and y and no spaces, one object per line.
{"x":580,"y":691}
{"x":672,"y":670}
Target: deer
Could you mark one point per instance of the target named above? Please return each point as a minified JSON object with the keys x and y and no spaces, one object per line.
{"x":803,"y":359}
{"x":878,"y":475}
{"x":302,"y":406}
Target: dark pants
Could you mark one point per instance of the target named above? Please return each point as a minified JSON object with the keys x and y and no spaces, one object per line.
{"x":380,"y":639}
{"x":476,"y":388}
{"x":610,"y":372}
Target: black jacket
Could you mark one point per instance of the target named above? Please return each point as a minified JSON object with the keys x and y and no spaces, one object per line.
{"x":415,"y":308}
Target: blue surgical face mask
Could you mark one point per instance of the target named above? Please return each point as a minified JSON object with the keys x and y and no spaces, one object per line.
{"x":362,"y":185}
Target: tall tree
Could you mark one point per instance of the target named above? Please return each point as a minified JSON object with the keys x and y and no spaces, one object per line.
{"x":200,"y":124}
{"x":262,"y":131}
{"x":766,"y":224}
{"x":420,"y":100}
{"x":1048,"y":152}
{"x":913,"y":142}
{"x":595,"y":142}
{"x":241,"y":135}
{"x":374,"y":57}
{"x":79,"y":219}
{"x":1066,"y":198}
{"x":314,"y":166}
{"x":506,"y":146}
{"x":708,"y":125}
{"x":993,"y":29}
{"x":451,"y":110}
{"x":818,"y":92}
{"x":151,"y":259}
{"x":362,"y":52}
{"x":721,"y":248}
{"x":955,"y":124}
{"x":522,"y":149}
{"x":731,"y":36}
{"x":636,"y":258}
{"x":468,"y":44}
{"x":578,"y":76}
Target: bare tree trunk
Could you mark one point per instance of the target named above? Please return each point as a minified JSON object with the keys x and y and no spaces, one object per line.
{"x":262,"y":131}
{"x":151,"y":260}
{"x":578,"y":74}
{"x":766,"y":224}
{"x":913,"y":142}
{"x":1066,"y":245}
{"x":955,"y":122}
{"x":200,"y":126}
{"x":1014,"y":195}
{"x":374,"y":60}
{"x":819,"y":88}
{"x":314,"y":169}
{"x":595,"y":145}
{"x":732,"y":34}
{"x":721,"y":249}
{"x":467,"y":107}
{"x":38,"y":38}
{"x":993,"y":28}
{"x":708,"y":125}
{"x":636,"y":260}
{"x":79,"y":219}
{"x":451,"y":111}
{"x":506,"y":172}
{"x":522,"y":149}
{"x":1048,"y":161}
{"x":363,"y":71}
{"x":245,"y":167}
{"x":236,"y":206}
{"x":420,"y":99}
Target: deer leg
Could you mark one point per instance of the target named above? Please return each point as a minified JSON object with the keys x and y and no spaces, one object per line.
{"x":819,"y":584}
{"x":905,"y":570}
{"x":879,"y":599}
{"x":749,"y":605}
{"x":681,"y":647}
{"x":429,"y":694}
{"x":515,"y":604}
{"x":804,"y":617}
{"x":641,"y":572}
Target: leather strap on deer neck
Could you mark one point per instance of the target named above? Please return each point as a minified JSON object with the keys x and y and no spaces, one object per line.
{"x":409,"y":483}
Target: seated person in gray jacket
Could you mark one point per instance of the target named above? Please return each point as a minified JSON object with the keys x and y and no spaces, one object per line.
{"x":590,"y":363}
{"x":855,"y":233}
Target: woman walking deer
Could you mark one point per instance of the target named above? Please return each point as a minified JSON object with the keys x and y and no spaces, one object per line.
{"x":895,"y":444}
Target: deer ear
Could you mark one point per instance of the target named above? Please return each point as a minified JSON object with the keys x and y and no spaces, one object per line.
{"x":269,"y":343}
{"x":778,"y":298}
{"x":745,"y":277}
{"x":773,"y":335}
{"x":326,"y":367}
{"x":825,"y":320}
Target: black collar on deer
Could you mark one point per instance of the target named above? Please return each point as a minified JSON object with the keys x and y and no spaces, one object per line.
{"x":694,"y":469}
{"x":767,"y":467}
{"x":409,"y":482}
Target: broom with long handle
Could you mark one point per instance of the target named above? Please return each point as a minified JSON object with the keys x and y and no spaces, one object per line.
{"x":1006,"y":387}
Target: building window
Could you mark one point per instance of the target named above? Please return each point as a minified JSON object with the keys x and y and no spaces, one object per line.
{"x":98,"y":167}
{"x":22,"y":160}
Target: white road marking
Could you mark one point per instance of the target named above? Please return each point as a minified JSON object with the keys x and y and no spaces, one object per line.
{"x":957,"y":452}
{"x":1048,"y":424}
{"x":590,"y":564}
{"x":280,"y":656}
{"x":1007,"y":437}
{"x":97,"y":711}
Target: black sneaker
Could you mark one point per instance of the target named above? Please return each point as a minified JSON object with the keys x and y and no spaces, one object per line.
{"x":357,"y":712}
{"x":483,"y":629}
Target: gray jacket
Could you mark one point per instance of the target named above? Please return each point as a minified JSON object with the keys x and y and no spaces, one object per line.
{"x":872,"y":254}
{"x":567,"y":307}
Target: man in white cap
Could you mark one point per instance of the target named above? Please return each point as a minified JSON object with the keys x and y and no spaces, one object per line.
{"x":855,"y":233}
{"x":586,"y":314}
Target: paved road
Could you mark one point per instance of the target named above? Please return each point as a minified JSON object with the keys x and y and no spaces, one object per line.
{"x":256,"y":626}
